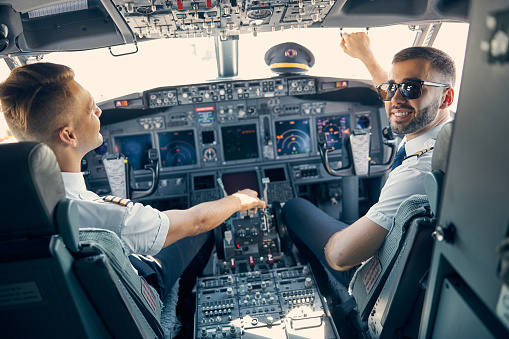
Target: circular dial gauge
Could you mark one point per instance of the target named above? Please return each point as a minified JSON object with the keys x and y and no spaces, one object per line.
{"x":210,"y":154}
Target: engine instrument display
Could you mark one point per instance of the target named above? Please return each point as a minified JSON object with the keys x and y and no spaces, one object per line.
{"x":177,"y":148}
{"x":135,"y":148}
{"x":336,"y":128}
{"x":293,"y":137}
{"x":240,"y":142}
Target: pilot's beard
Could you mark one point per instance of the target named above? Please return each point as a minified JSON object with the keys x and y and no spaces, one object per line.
{"x":421,"y":119}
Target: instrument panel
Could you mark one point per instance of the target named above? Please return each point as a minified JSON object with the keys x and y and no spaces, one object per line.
{"x":202,"y":132}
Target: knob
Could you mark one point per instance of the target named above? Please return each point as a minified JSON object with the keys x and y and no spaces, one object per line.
{"x":445,"y":233}
{"x":308,"y":282}
{"x":254,"y":231}
{"x":270,"y":320}
{"x":229,"y":291}
{"x":305,"y":270}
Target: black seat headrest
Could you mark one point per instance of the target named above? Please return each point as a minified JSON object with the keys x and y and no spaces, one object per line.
{"x":30,"y":188}
{"x":442,"y":146}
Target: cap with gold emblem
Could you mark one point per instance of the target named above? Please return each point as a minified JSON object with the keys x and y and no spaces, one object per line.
{"x":289,"y":57}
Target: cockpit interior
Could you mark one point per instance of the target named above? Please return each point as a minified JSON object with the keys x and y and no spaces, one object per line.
{"x":285,"y":135}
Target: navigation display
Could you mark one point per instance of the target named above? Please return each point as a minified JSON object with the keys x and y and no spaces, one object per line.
{"x":293,"y":137}
{"x":135,"y":148}
{"x":336,"y":128}
{"x":240,"y":142}
{"x":177,"y":148}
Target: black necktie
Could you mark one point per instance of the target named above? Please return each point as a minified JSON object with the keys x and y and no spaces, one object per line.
{"x":400,"y":156}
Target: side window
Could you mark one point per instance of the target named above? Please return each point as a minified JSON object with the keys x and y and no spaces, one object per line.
{"x":452,"y":39}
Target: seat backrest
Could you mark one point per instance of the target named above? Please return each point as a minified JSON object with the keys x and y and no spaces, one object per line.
{"x":53,"y":285}
{"x":389,"y":288}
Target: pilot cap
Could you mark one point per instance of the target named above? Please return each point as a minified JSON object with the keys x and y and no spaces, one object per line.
{"x":289,"y":57}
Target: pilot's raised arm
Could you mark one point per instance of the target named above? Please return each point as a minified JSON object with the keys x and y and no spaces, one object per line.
{"x":357,"y":45}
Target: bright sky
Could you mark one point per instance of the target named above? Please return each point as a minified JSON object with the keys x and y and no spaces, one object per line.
{"x":166,"y":62}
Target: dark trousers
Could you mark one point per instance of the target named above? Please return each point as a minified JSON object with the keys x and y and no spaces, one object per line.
{"x":185,"y":259}
{"x":310,"y":229}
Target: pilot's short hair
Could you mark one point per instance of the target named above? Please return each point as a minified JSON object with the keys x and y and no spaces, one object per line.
{"x":35,"y":98}
{"x":440,"y":60}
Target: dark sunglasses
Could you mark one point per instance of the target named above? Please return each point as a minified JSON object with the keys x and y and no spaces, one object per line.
{"x":410,"y":89}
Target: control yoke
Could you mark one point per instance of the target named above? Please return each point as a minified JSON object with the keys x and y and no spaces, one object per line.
{"x":358,"y":149}
{"x":153,"y":166}
{"x":118,"y":172}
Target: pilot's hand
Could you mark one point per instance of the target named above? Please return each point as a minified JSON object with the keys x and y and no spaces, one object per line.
{"x":356,"y":45}
{"x":249,"y":199}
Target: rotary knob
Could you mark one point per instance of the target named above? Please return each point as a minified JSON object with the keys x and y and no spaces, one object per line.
{"x":209,"y":154}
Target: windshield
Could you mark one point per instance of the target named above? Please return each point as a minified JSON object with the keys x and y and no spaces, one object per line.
{"x":168,"y":62}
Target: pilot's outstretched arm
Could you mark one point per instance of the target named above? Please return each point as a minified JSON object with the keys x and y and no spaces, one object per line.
{"x":208,"y":215}
{"x":357,"y":45}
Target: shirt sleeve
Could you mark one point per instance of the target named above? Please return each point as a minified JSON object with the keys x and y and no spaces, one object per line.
{"x":142,"y":229}
{"x":402,"y":183}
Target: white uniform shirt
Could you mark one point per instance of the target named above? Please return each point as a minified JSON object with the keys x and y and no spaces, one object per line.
{"x":406,"y":180}
{"x":142,"y":229}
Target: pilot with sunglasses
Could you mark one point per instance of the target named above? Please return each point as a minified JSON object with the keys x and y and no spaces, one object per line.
{"x":417,"y":94}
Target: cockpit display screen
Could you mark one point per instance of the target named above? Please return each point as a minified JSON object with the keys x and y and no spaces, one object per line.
{"x":135,"y":148}
{"x":293,"y":137}
{"x":234,"y":182}
{"x":240,"y":142}
{"x":336,"y":128}
{"x":205,"y":115}
{"x":177,"y":148}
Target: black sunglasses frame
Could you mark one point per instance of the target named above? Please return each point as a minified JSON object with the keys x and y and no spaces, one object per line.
{"x":405,"y":93}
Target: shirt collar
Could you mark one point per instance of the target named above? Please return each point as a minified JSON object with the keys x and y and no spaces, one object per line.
{"x":423,"y":141}
{"x":73,"y":181}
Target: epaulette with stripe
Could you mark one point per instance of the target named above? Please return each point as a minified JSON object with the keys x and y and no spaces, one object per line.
{"x":419,"y":153}
{"x":118,"y":200}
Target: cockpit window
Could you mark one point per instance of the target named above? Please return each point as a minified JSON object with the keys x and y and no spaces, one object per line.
{"x":168,"y":62}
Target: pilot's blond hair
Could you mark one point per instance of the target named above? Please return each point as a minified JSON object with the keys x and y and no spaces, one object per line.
{"x":35,"y":99}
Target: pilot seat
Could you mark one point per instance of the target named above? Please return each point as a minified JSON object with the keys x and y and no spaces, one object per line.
{"x":56,"y":280}
{"x":386,"y":294}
